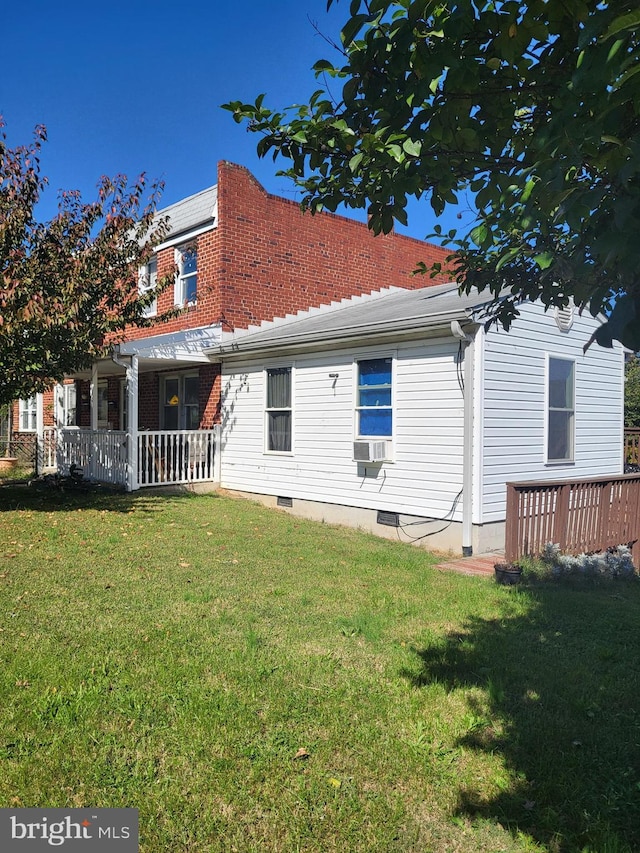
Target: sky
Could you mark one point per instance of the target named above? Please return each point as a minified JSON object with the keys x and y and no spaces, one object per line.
{"x":133,"y":86}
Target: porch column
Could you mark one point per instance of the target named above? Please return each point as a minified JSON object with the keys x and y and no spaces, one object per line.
{"x":132,"y":424}
{"x":40,"y":447}
{"x":93,"y":396}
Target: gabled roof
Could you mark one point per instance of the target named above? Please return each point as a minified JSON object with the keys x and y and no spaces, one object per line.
{"x":191,"y":213}
{"x":388,"y":312}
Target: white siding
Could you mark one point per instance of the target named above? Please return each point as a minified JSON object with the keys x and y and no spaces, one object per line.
{"x":513,"y":405}
{"x":425,"y":475}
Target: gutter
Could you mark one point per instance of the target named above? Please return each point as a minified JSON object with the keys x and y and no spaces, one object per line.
{"x":329,"y":338}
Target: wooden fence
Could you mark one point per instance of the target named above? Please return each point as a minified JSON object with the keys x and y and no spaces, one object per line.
{"x":631,"y":445}
{"x":578,"y":515}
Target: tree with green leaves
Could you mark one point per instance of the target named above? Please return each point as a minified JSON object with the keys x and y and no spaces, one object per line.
{"x":70,"y":285}
{"x":531,"y":107}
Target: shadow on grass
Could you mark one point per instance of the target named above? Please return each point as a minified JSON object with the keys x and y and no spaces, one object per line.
{"x":563,"y":688}
{"x":37,"y":498}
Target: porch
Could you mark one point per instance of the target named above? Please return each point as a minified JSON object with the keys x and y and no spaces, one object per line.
{"x":134,"y":460}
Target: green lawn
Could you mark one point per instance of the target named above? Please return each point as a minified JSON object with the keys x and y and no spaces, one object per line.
{"x":254,"y":682}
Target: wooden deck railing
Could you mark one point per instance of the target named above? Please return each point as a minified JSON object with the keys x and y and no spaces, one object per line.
{"x":631,"y":445}
{"x":577,"y":515}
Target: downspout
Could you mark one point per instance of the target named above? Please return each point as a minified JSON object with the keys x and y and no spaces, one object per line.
{"x":467,"y":353}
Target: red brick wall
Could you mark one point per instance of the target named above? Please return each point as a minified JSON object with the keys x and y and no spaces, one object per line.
{"x":276,"y":260}
{"x":266,"y":259}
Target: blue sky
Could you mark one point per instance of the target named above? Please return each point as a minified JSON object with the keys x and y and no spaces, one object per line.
{"x":135,"y":86}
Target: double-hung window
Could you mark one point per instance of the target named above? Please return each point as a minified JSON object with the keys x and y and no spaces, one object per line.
{"x":66,"y":405}
{"x":27,"y":414}
{"x":278,"y":409}
{"x":374,"y":410}
{"x":560,"y":409}
{"x":147,"y":282}
{"x":187,"y":283}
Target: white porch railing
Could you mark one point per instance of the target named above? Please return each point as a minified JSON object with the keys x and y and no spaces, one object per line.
{"x":163,"y":457}
{"x":176,"y":456}
{"x":101,"y":454}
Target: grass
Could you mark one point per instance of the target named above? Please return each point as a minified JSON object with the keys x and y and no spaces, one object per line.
{"x":251,"y":681}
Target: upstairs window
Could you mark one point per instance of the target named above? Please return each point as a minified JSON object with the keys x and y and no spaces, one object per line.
{"x":374,"y":412}
{"x":147,"y":281}
{"x":561,"y":410}
{"x":27,"y":414}
{"x":187,"y":283}
{"x":278,"y":410}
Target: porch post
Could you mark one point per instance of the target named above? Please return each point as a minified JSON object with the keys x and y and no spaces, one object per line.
{"x":40,"y":448}
{"x":93,"y":396}
{"x":217,"y":455}
{"x":132,"y":424}
{"x":93,"y":444}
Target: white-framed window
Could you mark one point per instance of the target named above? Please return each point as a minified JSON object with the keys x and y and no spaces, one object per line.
{"x":187,"y":281}
{"x":28,"y":414}
{"x":374,"y":400}
{"x":65,"y":398}
{"x":180,"y":402}
{"x":103,"y":404}
{"x":147,"y":281}
{"x":561,"y":382}
{"x":278,"y":410}
{"x":124,"y":405}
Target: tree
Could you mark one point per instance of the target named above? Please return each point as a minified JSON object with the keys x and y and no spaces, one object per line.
{"x":529,"y":106}
{"x":70,"y":285}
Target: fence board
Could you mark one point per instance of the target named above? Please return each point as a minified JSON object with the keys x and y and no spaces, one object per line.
{"x":577,"y":515}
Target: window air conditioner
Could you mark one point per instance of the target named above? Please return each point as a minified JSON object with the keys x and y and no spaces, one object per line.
{"x":369,"y":451}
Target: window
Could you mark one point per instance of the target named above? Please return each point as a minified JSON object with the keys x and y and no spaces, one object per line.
{"x":124,"y":405}
{"x":103,"y":404}
{"x":187,"y":283}
{"x":561,"y":409}
{"x":374,"y":410}
{"x":65,"y":405}
{"x":147,"y":281}
{"x":279,"y":409}
{"x":27,"y":414}
{"x":181,"y":402}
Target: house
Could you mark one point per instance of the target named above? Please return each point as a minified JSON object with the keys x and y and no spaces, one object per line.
{"x":240,"y":256}
{"x":400,"y":413}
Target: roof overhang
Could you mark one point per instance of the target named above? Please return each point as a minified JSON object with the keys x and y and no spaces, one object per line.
{"x":418,"y":328}
{"x":174,"y":350}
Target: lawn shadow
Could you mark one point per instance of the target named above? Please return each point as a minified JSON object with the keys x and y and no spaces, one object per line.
{"x":562,"y":685}
{"x":36,"y":498}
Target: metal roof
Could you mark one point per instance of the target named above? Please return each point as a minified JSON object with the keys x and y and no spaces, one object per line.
{"x":377,"y":314}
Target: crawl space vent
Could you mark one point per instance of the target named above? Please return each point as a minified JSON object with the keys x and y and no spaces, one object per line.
{"x":285,"y":501}
{"x":391,"y":519}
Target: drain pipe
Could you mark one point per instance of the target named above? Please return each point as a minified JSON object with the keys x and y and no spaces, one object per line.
{"x":467,"y":440}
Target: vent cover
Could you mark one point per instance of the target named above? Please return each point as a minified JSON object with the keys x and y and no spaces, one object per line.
{"x":391,"y":519}
{"x":564,"y":317}
{"x":285,"y":501}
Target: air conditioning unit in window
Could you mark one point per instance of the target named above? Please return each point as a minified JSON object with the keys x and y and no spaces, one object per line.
{"x":369,"y":451}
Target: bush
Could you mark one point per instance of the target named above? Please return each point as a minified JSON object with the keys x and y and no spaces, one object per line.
{"x":615,"y":562}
